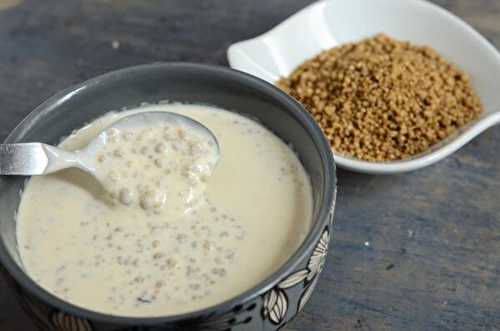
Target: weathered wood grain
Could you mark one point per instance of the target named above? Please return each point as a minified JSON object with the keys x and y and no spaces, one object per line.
{"x":411,"y":252}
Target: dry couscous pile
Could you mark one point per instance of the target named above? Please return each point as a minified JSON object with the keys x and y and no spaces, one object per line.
{"x":382,"y":99}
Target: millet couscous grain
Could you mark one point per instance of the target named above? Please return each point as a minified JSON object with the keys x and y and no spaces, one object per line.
{"x":382,"y":99}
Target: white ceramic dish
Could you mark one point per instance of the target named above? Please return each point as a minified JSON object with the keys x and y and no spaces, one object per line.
{"x":328,"y":23}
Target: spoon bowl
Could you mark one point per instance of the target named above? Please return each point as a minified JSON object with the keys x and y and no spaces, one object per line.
{"x":327,"y":24}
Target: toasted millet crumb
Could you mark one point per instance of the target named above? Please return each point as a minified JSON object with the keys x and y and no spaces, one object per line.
{"x":382,"y":99}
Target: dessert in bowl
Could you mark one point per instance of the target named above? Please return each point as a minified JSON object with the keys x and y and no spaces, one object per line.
{"x":242,"y":249}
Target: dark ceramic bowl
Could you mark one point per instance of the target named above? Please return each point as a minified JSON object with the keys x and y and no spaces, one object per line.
{"x":267,"y":306}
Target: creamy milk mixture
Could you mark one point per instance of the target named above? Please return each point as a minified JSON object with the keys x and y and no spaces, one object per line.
{"x":149,"y":247}
{"x":150,"y":166}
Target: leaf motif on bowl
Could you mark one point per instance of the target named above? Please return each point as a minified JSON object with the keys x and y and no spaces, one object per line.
{"x":294,"y":279}
{"x":307,"y":294}
{"x":275,"y":306}
{"x":318,"y":257}
{"x":66,"y":322}
{"x":332,"y":208}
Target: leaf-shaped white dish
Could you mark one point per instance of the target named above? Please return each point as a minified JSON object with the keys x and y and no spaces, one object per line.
{"x":329,"y":23}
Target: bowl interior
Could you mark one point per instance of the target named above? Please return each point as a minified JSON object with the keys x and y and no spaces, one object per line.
{"x":128,"y":88}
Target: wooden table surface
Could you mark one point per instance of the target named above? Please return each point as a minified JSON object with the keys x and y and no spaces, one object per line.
{"x":419,"y":251}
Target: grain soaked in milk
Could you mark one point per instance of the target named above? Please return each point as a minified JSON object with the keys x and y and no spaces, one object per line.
{"x":117,"y":257}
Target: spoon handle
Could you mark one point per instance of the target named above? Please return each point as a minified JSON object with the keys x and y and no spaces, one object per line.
{"x":29,"y":159}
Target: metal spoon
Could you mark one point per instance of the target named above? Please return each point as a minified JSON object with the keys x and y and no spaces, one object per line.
{"x":30,"y":159}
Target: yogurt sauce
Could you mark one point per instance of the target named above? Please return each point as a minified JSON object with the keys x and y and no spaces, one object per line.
{"x":156,"y":249}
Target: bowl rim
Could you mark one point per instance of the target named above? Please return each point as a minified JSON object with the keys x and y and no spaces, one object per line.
{"x":219,"y":72}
